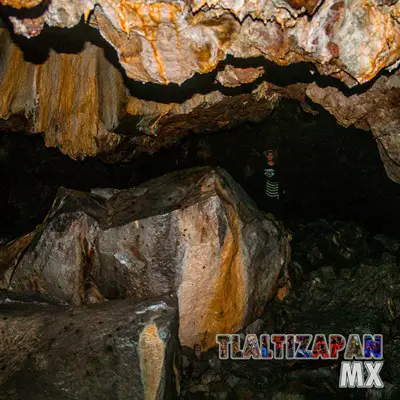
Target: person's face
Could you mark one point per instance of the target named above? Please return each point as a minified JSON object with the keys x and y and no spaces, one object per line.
{"x":270,"y":156}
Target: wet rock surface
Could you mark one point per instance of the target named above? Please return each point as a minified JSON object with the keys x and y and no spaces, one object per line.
{"x":343,"y":280}
{"x":119,"y":350}
{"x":194,"y":232}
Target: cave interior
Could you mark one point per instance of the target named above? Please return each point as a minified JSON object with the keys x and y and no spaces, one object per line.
{"x":87,"y":106}
{"x":327,"y":171}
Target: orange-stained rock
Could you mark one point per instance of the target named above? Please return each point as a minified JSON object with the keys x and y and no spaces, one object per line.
{"x":74,"y":99}
{"x":11,"y":252}
{"x":232,"y":77}
{"x":78,"y":100}
{"x":170,"y":41}
{"x":21,"y":3}
{"x":282,"y":293}
{"x":118,"y":350}
{"x":152,"y":357}
{"x":193,"y":232}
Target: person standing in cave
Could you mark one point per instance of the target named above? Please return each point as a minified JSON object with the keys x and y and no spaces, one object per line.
{"x":272,"y":196}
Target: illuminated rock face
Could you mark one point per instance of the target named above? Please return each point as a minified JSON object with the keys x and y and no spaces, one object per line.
{"x":233,"y":77}
{"x":170,"y":41}
{"x":21,"y":3}
{"x":193,"y":232}
{"x":79,"y":100}
{"x":73,"y":98}
{"x":119,"y":350}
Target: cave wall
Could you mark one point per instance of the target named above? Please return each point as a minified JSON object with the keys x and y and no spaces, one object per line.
{"x":170,"y":42}
{"x":74,"y":99}
{"x":326,"y":170}
{"x":116,"y":79}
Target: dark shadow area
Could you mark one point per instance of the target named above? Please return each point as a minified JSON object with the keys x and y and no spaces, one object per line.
{"x":33,"y":12}
{"x":326,"y":170}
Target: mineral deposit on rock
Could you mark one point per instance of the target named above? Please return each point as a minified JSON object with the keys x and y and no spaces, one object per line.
{"x":193,"y":232}
{"x":120,"y":350}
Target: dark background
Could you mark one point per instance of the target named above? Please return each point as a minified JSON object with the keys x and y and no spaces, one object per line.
{"x":327,"y":171}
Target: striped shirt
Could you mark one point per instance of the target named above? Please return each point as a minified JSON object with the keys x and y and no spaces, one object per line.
{"x":272,"y":184}
{"x":272,"y":189}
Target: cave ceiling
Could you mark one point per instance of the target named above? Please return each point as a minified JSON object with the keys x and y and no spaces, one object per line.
{"x":114,"y":78}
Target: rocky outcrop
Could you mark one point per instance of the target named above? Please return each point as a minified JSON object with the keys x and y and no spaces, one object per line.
{"x":74,"y":99}
{"x":97,"y":116}
{"x":344,"y":280}
{"x":193,"y":232}
{"x":376,"y":109}
{"x":233,"y":77}
{"x":11,"y":252}
{"x":89,"y":104}
{"x":170,"y":42}
{"x":166,"y":123}
{"x":119,"y":350}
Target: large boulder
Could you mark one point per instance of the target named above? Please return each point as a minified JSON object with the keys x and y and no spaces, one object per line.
{"x":341,"y":294}
{"x":194,"y":232}
{"x":118,"y":350}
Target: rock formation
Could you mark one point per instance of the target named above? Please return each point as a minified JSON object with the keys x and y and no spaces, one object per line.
{"x":343,"y":280}
{"x":118,"y":350}
{"x":193,"y":232}
{"x":61,"y":97}
{"x":97,"y":116}
{"x":376,"y":110}
{"x":169,"y":42}
{"x":232,"y":77}
{"x":88,"y":104}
